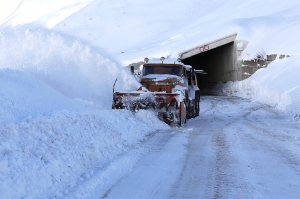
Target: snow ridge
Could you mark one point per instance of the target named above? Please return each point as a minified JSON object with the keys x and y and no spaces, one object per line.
{"x":47,"y":157}
{"x":67,"y":65}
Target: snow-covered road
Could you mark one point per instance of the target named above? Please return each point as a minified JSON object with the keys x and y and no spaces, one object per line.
{"x":235,"y":149}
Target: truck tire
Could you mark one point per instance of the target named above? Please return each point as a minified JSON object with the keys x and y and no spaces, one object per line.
{"x":197,"y":103}
{"x":182,"y":113}
{"x":191,"y":109}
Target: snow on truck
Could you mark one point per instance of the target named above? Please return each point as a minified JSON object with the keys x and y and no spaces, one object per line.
{"x":169,"y":87}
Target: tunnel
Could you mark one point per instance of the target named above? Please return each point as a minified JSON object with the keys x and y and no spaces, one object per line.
{"x":217,"y":58}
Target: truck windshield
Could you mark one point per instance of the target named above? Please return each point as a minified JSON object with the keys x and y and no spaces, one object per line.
{"x":161,"y":69}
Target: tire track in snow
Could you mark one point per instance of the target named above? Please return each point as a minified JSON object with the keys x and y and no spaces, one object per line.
{"x":226,"y":179}
{"x":275,"y":140}
{"x":211,"y":170}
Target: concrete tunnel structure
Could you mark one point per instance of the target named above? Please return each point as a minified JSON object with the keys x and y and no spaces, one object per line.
{"x":219,"y":59}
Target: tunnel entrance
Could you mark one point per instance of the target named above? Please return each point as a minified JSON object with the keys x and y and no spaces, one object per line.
{"x":218,"y":59}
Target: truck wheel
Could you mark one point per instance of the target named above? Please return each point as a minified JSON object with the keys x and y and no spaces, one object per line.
{"x":191,"y":109}
{"x":174,"y":118}
{"x":182,"y":114}
{"x":197,"y":103}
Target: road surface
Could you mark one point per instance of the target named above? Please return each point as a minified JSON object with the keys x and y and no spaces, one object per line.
{"x":235,"y":149}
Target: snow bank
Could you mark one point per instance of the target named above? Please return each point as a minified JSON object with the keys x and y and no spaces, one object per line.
{"x":278,"y":85}
{"x":47,"y":157}
{"x":22,"y":95}
{"x":57,"y":127}
{"x":67,"y":65}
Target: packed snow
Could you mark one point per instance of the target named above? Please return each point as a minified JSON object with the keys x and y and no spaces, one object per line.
{"x":277,"y":85}
{"x":60,"y":59}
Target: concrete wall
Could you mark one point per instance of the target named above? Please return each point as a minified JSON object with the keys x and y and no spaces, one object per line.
{"x":222,"y":64}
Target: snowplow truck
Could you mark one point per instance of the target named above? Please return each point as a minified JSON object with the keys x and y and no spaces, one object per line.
{"x":168,"y":87}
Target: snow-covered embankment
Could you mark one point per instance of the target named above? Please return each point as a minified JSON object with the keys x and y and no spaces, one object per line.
{"x":57,"y":127}
{"x":278,"y":85}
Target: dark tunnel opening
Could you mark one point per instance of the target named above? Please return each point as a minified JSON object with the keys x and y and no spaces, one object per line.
{"x":218,"y":63}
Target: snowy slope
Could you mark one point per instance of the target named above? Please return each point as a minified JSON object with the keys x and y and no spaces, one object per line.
{"x":64,"y":63}
{"x":59,"y":60}
{"x":20,"y":12}
{"x":157,"y":28}
{"x":278,"y":85}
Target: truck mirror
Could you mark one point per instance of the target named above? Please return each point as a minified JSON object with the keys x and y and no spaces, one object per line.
{"x":132,"y":69}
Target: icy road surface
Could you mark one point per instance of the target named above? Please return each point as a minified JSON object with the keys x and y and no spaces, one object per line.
{"x":235,"y":149}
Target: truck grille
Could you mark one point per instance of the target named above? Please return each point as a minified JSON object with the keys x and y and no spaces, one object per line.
{"x":160,"y":88}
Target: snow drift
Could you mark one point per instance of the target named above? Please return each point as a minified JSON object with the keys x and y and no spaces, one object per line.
{"x":67,"y":65}
{"x":48,"y":157}
{"x":23,"y":95}
{"x":277,"y":85}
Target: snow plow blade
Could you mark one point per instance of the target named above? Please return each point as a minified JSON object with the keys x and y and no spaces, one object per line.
{"x":167,"y":105}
